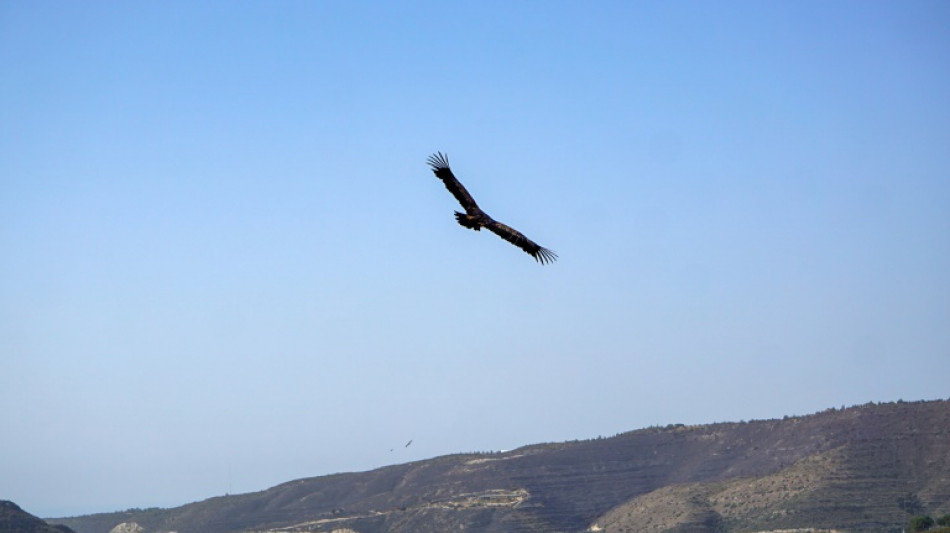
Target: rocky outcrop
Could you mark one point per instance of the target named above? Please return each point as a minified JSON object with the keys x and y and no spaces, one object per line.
{"x":128,"y":527}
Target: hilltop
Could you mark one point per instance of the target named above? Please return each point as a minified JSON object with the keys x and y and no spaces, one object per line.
{"x":863,"y":468}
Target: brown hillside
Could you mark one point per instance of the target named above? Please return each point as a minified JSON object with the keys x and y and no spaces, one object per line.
{"x":865,"y":468}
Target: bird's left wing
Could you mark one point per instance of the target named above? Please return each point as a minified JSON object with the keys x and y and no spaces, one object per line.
{"x":440,"y":166}
{"x":539,"y":253}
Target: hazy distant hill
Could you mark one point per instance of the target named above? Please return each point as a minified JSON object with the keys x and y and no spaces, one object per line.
{"x":866,"y":468}
{"x":16,"y":520}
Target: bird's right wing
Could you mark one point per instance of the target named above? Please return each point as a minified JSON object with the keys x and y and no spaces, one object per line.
{"x":538,"y":252}
{"x":440,"y":166}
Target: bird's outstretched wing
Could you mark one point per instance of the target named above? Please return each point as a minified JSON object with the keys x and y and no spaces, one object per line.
{"x":440,"y":166}
{"x":539,"y":253}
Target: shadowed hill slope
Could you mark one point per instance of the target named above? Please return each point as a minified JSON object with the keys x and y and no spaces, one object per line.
{"x":865,"y":468}
{"x":16,"y":520}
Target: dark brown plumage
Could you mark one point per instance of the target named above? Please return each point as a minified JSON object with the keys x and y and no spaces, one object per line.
{"x":474,"y":218}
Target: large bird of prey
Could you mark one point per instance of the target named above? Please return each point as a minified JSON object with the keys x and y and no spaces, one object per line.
{"x":476,"y":219}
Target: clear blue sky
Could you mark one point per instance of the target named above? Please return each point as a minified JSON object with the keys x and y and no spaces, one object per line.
{"x":225,"y":264}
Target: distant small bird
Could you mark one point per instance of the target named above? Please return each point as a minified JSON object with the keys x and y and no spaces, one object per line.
{"x":474,"y":218}
{"x":408,"y":443}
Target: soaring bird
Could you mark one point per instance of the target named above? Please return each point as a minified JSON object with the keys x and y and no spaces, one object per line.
{"x":476,"y":219}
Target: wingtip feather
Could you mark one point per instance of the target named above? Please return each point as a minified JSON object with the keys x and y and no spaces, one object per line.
{"x":545,"y":256}
{"x":438,"y":161}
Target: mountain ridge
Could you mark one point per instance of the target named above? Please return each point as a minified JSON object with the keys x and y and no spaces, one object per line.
{"x":863,"y":468}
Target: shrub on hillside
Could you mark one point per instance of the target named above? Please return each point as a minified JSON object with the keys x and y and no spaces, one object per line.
{"x":919,"y":523}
